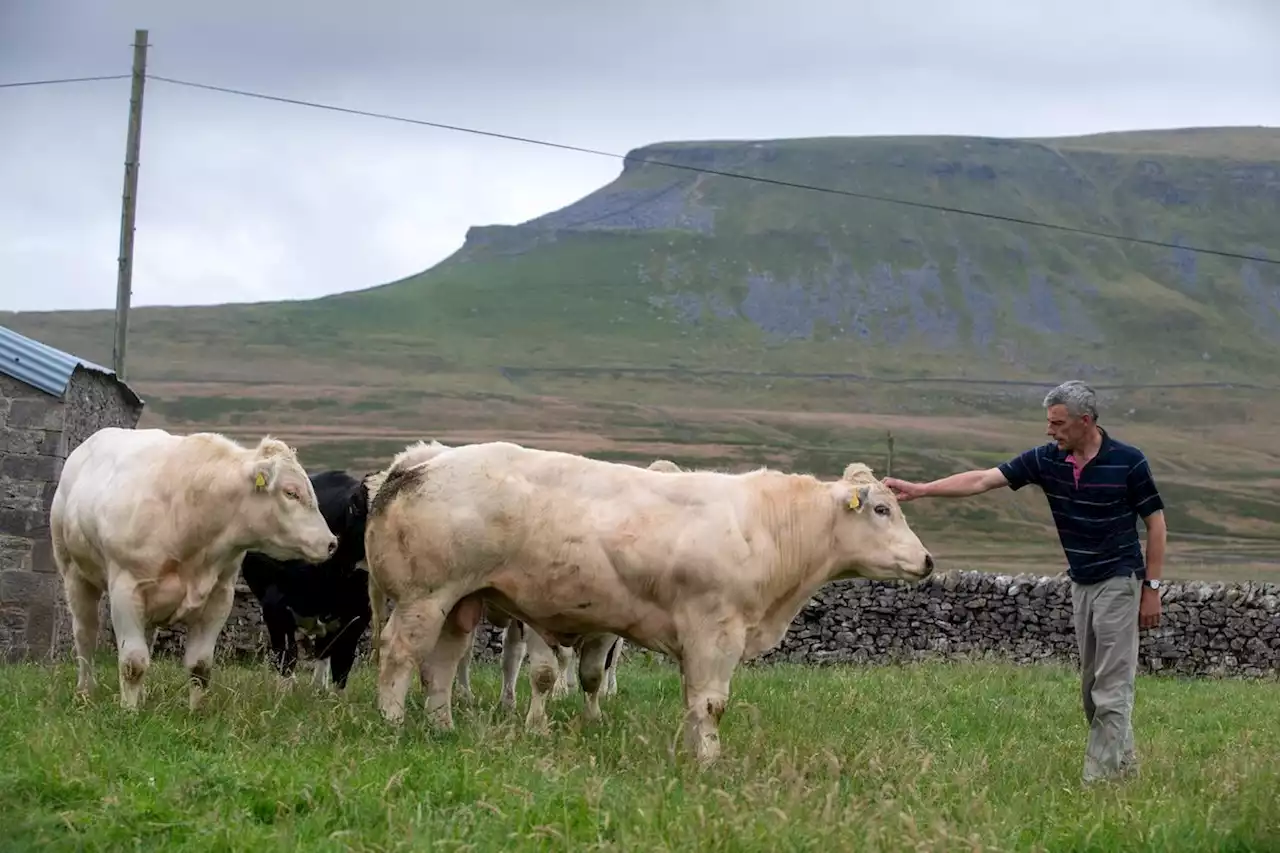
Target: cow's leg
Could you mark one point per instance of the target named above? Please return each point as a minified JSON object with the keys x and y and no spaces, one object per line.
{"x":513,"y":649}
{"x":565,"y":680}
{"x":289,"y":660}
{"x":463,"y":676}
{"x":440,"y":664}
{"x":611,"y":667}
{"x":129,"y":624}
{"x":543,"y":672}
{"x":82,"y":601}
{"x":203,"y":629}
{"x":568,"y":657}
{"x":591,"y":663}
{"x":706,"y":669}
{"x":321,"y":647}
{"x":342,"y":652}
{"x":412,"y":631}
{"x":320,"y":673}
{"x":281,"y":630}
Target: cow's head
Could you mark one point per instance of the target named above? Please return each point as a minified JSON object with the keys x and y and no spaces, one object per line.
{"x":872,"y":536}
{"x":282,"y":516}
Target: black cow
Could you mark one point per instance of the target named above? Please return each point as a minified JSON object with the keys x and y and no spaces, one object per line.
{"x":329,"y":601}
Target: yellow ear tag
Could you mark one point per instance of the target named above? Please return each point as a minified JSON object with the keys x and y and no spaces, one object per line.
{"x":855,"y":501}
{"x":260,"y":481}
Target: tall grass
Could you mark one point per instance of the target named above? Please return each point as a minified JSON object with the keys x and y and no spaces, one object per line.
{"x":922,"y":757}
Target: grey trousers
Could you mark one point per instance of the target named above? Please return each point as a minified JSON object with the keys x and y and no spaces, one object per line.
{"x":1106,"y":621}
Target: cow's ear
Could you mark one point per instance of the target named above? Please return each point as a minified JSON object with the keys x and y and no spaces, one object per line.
{"x":358,"y":505}
{"x":858,"y":498}
{"x":262,"y":476}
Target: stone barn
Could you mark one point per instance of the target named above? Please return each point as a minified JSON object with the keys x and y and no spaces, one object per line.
{"x":50,"y":401}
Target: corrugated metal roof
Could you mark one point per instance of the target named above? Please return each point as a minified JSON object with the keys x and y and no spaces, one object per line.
{"x":41,"y":366}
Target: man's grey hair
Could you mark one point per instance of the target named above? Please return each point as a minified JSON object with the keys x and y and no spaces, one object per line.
{"x":1077,"y":396}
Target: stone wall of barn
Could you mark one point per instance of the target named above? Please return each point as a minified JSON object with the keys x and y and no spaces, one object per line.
{"x":31,"y":454}
{"x":39,"y":431}
{"x":1215,"y":629}
{"x":94,"y":402}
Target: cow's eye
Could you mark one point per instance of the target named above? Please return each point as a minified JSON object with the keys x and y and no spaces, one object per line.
{"x":292,"y":494}
{"x":882,"y":509}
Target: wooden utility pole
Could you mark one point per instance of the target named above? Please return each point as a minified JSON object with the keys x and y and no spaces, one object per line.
{"x":124,"y":280}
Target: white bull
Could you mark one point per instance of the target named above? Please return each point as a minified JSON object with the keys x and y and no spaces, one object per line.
{"x":550,"y":670}
{"x":708,"y":567}
{"x":546,"y":665}
{"x":160,"y":523}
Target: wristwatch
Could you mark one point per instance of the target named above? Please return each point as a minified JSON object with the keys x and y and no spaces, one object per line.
{"x":1151,"y":583}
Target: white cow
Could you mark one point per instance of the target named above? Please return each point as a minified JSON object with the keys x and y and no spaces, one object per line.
{"x":515,"y":639}
{"x":598,"y":657}
{"x":160,"y":523}
{"x":707,"y":567}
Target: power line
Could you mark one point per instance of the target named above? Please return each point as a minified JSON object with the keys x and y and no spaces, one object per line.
{"x":703,"y":170}
{"x":63,"y":80}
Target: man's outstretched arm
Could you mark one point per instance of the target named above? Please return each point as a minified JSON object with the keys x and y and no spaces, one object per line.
{"x":962,"y":485}
{"x":1022,"y":470}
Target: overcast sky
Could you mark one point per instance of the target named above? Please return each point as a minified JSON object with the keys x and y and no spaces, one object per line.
{"x":246,"y":200}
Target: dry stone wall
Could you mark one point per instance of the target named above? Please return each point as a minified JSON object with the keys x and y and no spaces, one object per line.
{"x":31,"y":455}
{"x":37,"y":431}
{"x":1208,"y":629}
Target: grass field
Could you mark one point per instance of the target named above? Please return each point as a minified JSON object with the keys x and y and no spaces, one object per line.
{"x":924,"y":757}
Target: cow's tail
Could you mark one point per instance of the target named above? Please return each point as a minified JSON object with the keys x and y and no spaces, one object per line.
{"x":378,"y":608}
{"x":61,"y":558}
{"x":414,"y":454}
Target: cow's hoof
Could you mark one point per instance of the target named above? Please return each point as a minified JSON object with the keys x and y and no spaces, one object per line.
{"x":391,"y":713}
{"x":441,"y":720}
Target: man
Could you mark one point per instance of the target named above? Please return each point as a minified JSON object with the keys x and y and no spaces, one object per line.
{"x":1097,"y":487}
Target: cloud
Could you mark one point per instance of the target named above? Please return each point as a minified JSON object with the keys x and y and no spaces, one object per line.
{"x":247,"y":200}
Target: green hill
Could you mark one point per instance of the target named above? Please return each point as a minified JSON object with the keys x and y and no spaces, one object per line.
{"x":672,"y":268}
{"x":728,"y":321}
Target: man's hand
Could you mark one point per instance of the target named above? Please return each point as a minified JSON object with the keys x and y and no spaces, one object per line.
{"x":904,"y":490}
{"x":1149,"y":608}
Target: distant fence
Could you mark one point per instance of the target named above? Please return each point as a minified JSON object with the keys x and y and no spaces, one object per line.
{"x":1207,"y":629}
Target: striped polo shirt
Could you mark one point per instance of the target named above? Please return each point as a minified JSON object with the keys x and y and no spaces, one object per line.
{"x":1095,"y":507}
